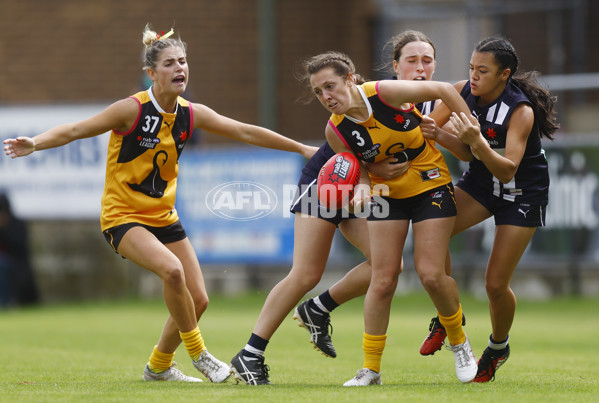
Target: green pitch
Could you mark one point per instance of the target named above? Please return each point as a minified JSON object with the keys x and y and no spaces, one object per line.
{"x":95,"y":352}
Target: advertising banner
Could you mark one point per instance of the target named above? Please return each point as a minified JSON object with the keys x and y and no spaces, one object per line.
{"x":572,"y":222}
{"x":65,"y":182}
{"x":234,"y":204}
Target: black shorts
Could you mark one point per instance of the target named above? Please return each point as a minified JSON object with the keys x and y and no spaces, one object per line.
{"x":507,"y":212}
{"x":171,"y":233}
{"x":435,"y":203}
{"x":306,"y":202}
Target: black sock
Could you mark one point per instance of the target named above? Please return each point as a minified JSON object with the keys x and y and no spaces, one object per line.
{"x":327,"y":301}
{"x":256,"y":345}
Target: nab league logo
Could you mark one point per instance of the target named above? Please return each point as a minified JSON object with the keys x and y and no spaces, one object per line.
{"x":241,"y":201}
{"x":148,"y":142}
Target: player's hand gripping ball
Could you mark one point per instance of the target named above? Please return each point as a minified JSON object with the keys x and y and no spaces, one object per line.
{"x":337,"y":179}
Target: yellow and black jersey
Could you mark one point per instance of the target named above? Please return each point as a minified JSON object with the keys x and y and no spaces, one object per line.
{"x":142,"y":165}
{"x":393,"y":132}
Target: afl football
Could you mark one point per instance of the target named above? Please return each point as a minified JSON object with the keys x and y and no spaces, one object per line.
{"x":337,"y":180}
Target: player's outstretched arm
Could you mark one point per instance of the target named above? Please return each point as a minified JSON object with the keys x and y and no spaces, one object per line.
{"x":207,"y":119}
{"x":120,"y":116}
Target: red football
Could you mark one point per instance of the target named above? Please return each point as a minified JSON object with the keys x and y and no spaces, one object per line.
{"x":337,"y":179}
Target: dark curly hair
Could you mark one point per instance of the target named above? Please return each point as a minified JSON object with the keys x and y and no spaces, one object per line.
{"x":543,"y":102}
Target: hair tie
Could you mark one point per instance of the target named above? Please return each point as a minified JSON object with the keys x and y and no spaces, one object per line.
{"x":162,"y":35}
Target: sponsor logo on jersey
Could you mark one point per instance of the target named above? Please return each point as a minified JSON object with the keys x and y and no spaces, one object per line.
{"x":402,"y":121}
{"x":430,"y":174}
{"x":369,"y":154}
{"x":490,"y":135}
{"x":148,"y":142}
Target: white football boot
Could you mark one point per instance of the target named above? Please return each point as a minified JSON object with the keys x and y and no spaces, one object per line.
{"x":465,"y":363}
{"x":171,"y":374}
{"x":216,"y":371}
{"x":365,"y":377}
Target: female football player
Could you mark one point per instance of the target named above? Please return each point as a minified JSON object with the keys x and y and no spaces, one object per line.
{"x":375,"y":120}
{"x":148,"y":133}
{"x":413,"y":58}
{"x":508,"y":180}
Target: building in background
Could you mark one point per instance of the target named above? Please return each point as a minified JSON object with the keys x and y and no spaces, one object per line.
{"x":74,"y":55}
{"x":243,"y":54}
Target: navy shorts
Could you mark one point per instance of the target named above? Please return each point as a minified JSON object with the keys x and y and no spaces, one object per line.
{"x":306,"y":202}
{"x":520,"y":214}
{"x":435,"y":203}
{"x":171,"y":233}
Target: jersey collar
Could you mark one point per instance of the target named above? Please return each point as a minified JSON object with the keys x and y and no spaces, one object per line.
{"x":155,"y":103}
{"x":365,"y":98}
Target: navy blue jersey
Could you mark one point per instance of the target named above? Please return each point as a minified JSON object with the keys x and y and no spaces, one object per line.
{"x":312,"y":167}
{"x":531,"y":181}
{"x":426,"y":107}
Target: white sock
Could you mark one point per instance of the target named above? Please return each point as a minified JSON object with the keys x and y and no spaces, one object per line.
{"x":320,"y":305}
{"x":253,"y":350}
{"x":498,"y":346}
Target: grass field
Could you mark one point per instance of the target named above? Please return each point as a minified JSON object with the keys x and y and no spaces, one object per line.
{"x":95,"y":352}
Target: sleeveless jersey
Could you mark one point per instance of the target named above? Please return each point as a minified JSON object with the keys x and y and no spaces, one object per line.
{"x":393,"y":132}
{"x":312,"y":167}
{"x":531,"y":181}
{"x":142,"y":165}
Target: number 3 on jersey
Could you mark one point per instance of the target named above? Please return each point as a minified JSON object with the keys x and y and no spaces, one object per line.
{"x":359,"y":140}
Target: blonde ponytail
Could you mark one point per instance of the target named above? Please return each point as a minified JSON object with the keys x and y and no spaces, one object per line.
{"x":149,"y":36}
{"x":155,"y":42}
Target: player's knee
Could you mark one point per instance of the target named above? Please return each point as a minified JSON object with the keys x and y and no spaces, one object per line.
{"x":305,"y":278}
{"x":384,"y":287}
{"x":496,"y":289}
{"x":431,"y":283}
{"x":309,"y":281}
{"x":173,"y":275}
{"x":200,"y":304}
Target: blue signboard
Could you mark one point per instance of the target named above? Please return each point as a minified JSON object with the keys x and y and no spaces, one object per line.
{"x":234,"y":204}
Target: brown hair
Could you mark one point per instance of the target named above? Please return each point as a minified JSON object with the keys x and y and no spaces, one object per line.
{"x":339,"y":62}
{"x":398,"y":42}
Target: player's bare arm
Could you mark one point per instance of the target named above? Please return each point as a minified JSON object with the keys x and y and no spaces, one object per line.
{"x":207,"y":119}
{"x":119,"y":116}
